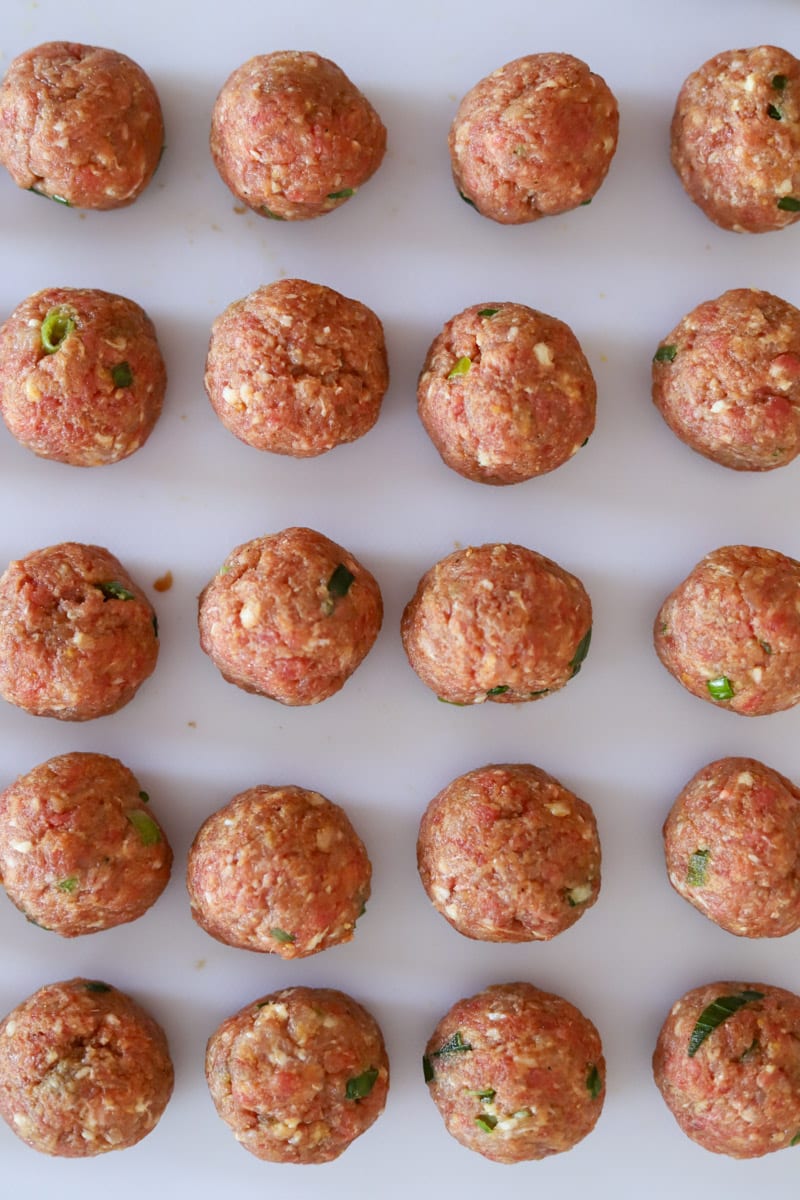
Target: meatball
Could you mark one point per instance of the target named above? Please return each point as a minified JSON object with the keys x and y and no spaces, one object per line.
{"x":297,"y":368}
{"x":82,"y":379}
{"x":80,"y":124}
{"x":516,"y":1073}
{"x":730,"y":633}
{"x":727,"y":380}
{"x":496,"y":622}
{"x":299,"y":1074}
{"x":290,"y":616}
{"x":83,"y":1070}
{"x":292,"y":137}
{"x":77,"y":636}
{"x":732,"y":846}
{"x":506,"y":393}
{"x":534,"y":139}
{"x":507,"y":854}
{"x":727,"y":1063}
{"x":79,"y":849}
{"x":280,"y":870}
{"x":736,"y":139}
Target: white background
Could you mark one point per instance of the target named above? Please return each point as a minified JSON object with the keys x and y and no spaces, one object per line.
{"x":631,"y":514}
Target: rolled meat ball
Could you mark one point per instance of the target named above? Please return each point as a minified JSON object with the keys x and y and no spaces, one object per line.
{"x":80,"y":849}
{"x":497,"y":622}
{"x":290,"y":616}
{"x":727,"y":1063}
{"x":83,"y":1070}
{"x":280,"y":870}
{"x":735,"y":139}
{"x":730,"y":633}
{"x":507,"y":854}
{"x":732,"y":847}
{"x":82,"y":379}
{"x":299,"y":1074}
{"x":506,"y":393}
{"x":293,"y":137}
{"x":727,"y":380}
{"x":80,"y":124}
{"x":516,"y":1073}
{"x":534,"y":139}
{"x":297,"y":368}
{"x":77,"y":636}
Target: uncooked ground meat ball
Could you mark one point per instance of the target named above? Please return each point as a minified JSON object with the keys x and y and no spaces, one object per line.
{"x":533,"y":139}
{"x":290,"y":616}
{"x":299,"y":1074}
{"x":736,"y":139}
{"x":280,"y":870}
{"x":80,"y":849}
{"x":297,"y":368}
{"x":516,"y":1073}
{"x":730,"y":633}
{"x":292,"y":137}
{"x":732,"y":846}
{"x":80,"y":124}
{"x":506,"y":393}
{"x":497,"y":622}
{"x":83,"y":1070}
{"x":727,"y":380}
{"x":727,"y":1063}
{"x":77,"y":636}
{"x":82,"y":379}
{"x":507,"y":854}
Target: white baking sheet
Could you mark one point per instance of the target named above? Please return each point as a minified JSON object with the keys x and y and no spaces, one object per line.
{"x":630,"y":515}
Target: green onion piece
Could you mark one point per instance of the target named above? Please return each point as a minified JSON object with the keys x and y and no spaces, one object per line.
{"x":224,"y":569}
{"x":57,"y":325}
{"x":796,"y":1139}
{"x":717,"y":1012}
{"x":779,"y":82}
{"x":145,"y":826}
{"x":467,"y":200}
{"x":765,"y":646}
{"x":362,"y":909}
{"x":97,"y":985}
{"x":68,"y":885}
{"x":499,"y":690}
{"x":583,"y":203}
{"x":580,"y":654}
{"x":750,"y":1052}
{"x":579,"y":895}
{"x":774,"y":112}
{"x":720,"y":688}
{"x":453,"y":1045}
{"x":541,"y":692}
{"x":461,"y":367}
{"x":340,"y":580}
{"x":665,"y":354}
{"x":585,"y":442}
{"x":58,"y":199}
{"x":361,"y":1086}
{"x":154,"y":623}
{"x":344,"y":194}
{"x":33,"y":921}
{"x":487,"y":1094}
{"x":281,"y":935}
{"x":455,"y":703}
{"x":488,"y":312}
{"x":273,"y":216}
{"x":143,"y":796}
{"x":485,"y":1122}
{"x":427,"y":1069}
{"x":122,"y":375}
{"x":697,"y":869}
{"x":112,"y":590}
{"x":789,"y":204}
{"x":594,"y":1084}
{"x":521,"y":1113}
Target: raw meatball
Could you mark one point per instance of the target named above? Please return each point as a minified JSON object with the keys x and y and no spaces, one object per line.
{"x":82,"y":379}
{"x":299,"y":1074}
{"x":516,"y":1073}
{"x":280,"y":870}
{"x":736,"y":139}
{"x":727,"y":380}
{"x":290,"y":616}
{"x":292,"y":137}
{"x":534,"y":139}
{"x":80,"y":124}
{"x":506,"y":854}
{"x":497,"y":622}
{"x":730,"y":633}
{"x":727,"y":1063}
{"x":77,"y":636}
{"x":79,"y":849}
{"x":506,"y":393}
{"x":297,"y":368}
{"x":732,"y":845}
{"x":83,"y":1070}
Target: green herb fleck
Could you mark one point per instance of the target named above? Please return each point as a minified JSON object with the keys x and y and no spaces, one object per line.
{"x":779,"y":82}
{"x":581,"y":652}
{"x":765,"y":646}
{"x":58,"y":199}
{"x":144,"y":797}
{"x":583,"y":203}
{"x":714,"y":1015}
{"x":467,"y":200}
{"x":281,"y":935}
{"x":361,"y":1085}
{"x":720,"y":688}
{"x":273,"y":216}
{"x":789,"y":204}
{"x":500,"y":690}
{"x":698,"y":868}
{"x":58,"y":324}
{"x":541,"y":692}
{"x":750,"y":1052}
{"x":579,"y":894}
{"x":774,"y":112}
{"x":344,"y":194}
{"x":122,"y":375}
{"x":796,"y":1139}
{"x":112,"y":590}
{"x":340,"y":580}
{"x":97,"y":985}
{"x":521,"y":1113}
{"x":485,"y":1122}
{"x":594,"y":1084}
{"x":585,"y":442}
{"x":487,"y":1094}
{"x":154,"y":623}
{"x":488,"y":312}
{"x":68,"y":885}
{"x":427,"y":1069}
{"x":461,"y":367}
{"x":224,"y":569}
{"x":665,"y":354}
{"x":145,"y":826}
{"x":455,"y":703}
{"x":33,"y":921}
{"x":453,"y":1045}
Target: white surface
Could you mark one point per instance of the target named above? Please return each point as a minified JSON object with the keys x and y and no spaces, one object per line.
{"x":630,"y":515}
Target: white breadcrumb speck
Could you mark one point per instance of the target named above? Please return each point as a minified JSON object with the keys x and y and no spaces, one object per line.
{"x":543,"y":354}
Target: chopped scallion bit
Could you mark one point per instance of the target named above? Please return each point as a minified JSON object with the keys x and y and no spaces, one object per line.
{"x":427,"y":1069}
{"x":521,"y":1113}
{"x":455,"y":703}
{"x":487,"y":1094}
{"x":340,"y":581}
{"x":594,"y":1084}
{"x":579,"y":895}
{"x":485,"y":1122}
{"x":500,"y":690}
{"x":154,"y":623}
{"x":57,"y":325}
{"x":97,"y":985}
{"x":765,"y":646}
{"x":774,"y":112}
{"x":281,"y":935}
{"x":122,"y":375}
{"x":461,"y":367}
{"x":789,"y":204}
{"x":488,"y":312}
{"x":541,"y":692}
{"x":344,"y":194}
{"x":698,"y":868}
{"x":580,"y":654}
{"x":143,"y":796}
{"x":720,"y":688}
{"x":796,"y":1139}
{"x":467,"y":200}
{"x":112,"y":590}
{"x":145,"y":826}
{"x":750,"y":1052}
{"x":714,"y":1015}
{"x":361,"y":1085}
{"x":68,"y":885}
{"x":583,"y":203}
{"x":779,"y":82}
{"x":665,"y":354}
{"x":453,"y":1045}
{"x":273,"y":216}
{"x":585,"y":442}
{"x":58,"y":199}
